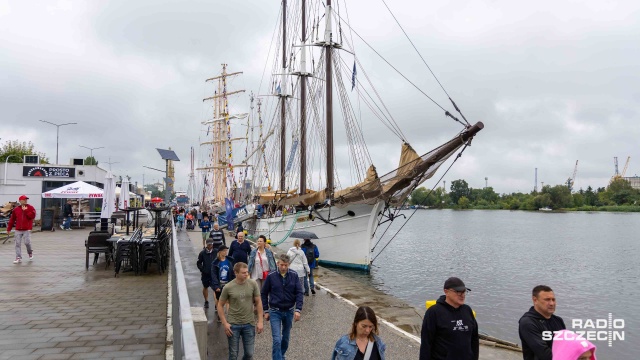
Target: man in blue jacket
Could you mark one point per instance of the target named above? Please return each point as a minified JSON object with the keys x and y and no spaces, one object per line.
{"x":282,"y":303}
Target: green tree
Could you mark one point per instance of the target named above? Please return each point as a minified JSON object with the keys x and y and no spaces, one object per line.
{"x":155,"y":192}
{"x":16,"y":150}
{"x":459,"y":188}
{"x":419,"y":196}
{"x":90,"y":160}
{"x":542,"y":200}
{"x":590,"y":197}
{"x":560,"y":196}
{"x":620,"y":192}
{"x":578,"y":199}
{"x":463,"y":202}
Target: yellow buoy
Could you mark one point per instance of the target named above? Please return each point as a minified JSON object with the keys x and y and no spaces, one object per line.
{"x":430,"y":303}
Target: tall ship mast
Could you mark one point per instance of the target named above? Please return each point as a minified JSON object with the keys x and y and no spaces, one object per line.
{"x":218,"y":171}
{"x":332,"y":191}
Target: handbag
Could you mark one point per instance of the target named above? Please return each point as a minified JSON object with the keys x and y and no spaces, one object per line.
{"x":264,"y":273}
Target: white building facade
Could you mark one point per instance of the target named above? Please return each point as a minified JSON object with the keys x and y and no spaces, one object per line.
{"x":34,"y":179}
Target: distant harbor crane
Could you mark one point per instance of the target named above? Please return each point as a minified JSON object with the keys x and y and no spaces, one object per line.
{"x":618,"y":175}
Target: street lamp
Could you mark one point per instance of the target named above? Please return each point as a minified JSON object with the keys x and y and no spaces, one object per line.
{"x":91,"y":149}
{"x":57,"y":133}
{"x":5,"y":167}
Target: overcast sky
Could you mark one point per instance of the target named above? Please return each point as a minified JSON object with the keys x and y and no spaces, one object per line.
{"x":553,"y":81}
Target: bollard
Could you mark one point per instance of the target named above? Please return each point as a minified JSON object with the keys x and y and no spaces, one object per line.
{"x":200,"y":326}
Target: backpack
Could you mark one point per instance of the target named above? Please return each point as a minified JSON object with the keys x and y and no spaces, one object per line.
{"x":309,"y":252}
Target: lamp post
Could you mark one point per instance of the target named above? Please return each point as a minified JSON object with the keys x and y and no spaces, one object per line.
{"x":5,"y":167}
{"x":57,"y":133}
{"x":112,"y":162}
{"x":91,"y":149}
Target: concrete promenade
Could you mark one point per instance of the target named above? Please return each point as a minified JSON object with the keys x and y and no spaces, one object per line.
{"x":325,"y":317}
{"x":52,"y":308}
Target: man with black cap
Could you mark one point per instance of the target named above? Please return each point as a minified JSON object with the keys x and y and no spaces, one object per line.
{"x":449,"y":328}
{"x":22,"y":217}
{"x":206,"y":257}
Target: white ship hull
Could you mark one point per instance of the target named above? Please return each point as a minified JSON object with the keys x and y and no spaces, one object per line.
{"x":347,"y":244}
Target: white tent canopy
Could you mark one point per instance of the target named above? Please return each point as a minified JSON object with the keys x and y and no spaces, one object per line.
{"x":77,"y":190}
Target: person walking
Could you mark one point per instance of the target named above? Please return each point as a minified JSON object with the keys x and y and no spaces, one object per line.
{"x":261,"y":261}
{"x":22,"y":218}
{"x":242,"y":294}
{"x":218,"y":236}
{"x":205,"y":225}
{"x":449,"y":328}
{"x":299,"y":264}
{"x":312,"y":253}
{"x":282,"y":303}
{"x":180,"y":220}
{"x":199,"y":217}
{"x":205,"y":259}
{"x":240,"y":249}
{"x":67,"y":212}
{"x":539,"y":318}
{"x":221,"y":272}
{"x":362,"y":342}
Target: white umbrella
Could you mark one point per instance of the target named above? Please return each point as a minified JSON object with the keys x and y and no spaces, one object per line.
{"x":109,"y":196}
{"x":124,"y":195}
{"x":76,"y":190}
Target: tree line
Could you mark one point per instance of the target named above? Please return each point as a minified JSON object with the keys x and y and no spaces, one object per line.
{"x":618,"y":196}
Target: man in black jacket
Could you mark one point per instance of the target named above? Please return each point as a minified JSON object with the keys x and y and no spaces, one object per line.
{"x":67,"y":212}
{"x":205,"y":259}
{"x":449,"y":329}
{"x":538,"y":319}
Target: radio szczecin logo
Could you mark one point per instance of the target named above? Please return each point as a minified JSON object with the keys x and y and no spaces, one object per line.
{"x":608,"y":330}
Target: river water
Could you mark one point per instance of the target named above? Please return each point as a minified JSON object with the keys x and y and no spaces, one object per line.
{"x":591,"y":260}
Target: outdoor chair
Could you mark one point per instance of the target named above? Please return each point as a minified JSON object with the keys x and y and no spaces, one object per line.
{"x":127,"y":253}
{"x":149,"y":250}
{"x":96,"y":244}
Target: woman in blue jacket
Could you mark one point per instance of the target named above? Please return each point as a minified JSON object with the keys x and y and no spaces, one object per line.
{"x":363,"y":341}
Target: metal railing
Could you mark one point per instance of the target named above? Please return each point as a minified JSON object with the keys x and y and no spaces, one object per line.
{"x":185,"y":344}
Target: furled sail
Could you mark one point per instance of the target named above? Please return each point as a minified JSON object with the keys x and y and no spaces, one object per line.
{"x":393,"y":187}
{"x":399,"y":183}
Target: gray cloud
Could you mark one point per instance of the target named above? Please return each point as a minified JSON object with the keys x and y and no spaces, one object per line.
{"x":553,"y":82}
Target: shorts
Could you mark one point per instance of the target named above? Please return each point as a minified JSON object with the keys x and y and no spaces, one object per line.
{"x":205,"y":236}
{"x":206,"y":280}
{"x":218,"y":294}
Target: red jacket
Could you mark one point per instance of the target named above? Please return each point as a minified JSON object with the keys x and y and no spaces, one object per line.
{"x":22,"y":219}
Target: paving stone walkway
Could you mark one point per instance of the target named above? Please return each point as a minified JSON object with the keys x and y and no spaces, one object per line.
{"x":52,"y":308}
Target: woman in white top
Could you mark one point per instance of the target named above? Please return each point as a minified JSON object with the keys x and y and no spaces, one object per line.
{"x":298,"y":262}
{"x":261,"y":261}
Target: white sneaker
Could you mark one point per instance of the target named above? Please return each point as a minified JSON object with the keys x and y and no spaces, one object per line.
{"x":62,"y":227}
{"x":30,"y":256}
{"x":17,"y":261}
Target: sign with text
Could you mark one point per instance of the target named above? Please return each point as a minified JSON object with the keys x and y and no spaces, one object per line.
{"x":48,"y":171}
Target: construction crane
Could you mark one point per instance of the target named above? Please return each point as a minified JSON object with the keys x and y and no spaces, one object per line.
{"x":626,"y":166}
{"x":572,"y":179}
{"x":619,"y":175}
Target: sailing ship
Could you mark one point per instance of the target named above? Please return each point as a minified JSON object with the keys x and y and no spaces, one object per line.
{"x":308,"y":192}
{"x":218,"y":173}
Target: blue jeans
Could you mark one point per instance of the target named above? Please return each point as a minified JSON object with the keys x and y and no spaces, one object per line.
{"x":281,"y":322}
{"x":67,"y":222}
{"x":248,"y":334}
{"x":306,"y":284}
